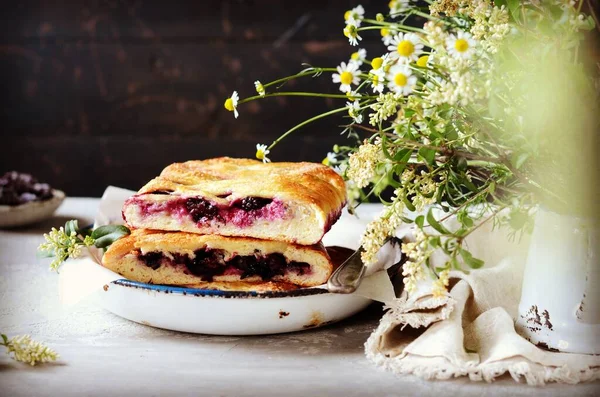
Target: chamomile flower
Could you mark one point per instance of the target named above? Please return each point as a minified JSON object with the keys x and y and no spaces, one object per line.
{"x":353,"y":95}
{"x":406,"y":47}
{"x":377,"y":82}
{"x":359,"y":56}
{"x":397,"y":7}
{"x":462,"y":45}
{"x":259,"y":88}
{"x":331,"y":159}
{"x":351,"y":32}
{"x":423,"y":61}
{"x":354,"y":111}
{"x":400,"y":79}
{"x":355,"y":15}
{"x":380,"y":64}
{"x":261,"y":153}
{"x":347,"y":75}
{"x":231,"y":103}
{"x":386,"y":35}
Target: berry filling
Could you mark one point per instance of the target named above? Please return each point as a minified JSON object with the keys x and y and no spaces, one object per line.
{"x":210,"y":263}
{"x":241,"y":213}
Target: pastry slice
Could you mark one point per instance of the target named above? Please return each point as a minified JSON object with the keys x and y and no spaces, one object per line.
{"x":293,"y":202}
{"x":217,"y":262}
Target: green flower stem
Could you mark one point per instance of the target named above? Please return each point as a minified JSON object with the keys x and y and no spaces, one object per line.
{"x":307,"y":72}
{"x":396,"y":27}
{"x":292,"y":93}
{"x":305,"y":122}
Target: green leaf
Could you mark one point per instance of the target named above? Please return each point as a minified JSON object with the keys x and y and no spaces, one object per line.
{"x":470,"y":260}
{"x":106,"y":235}
{"x":419,"y":221}
{"x":408,"y":204}
{"x":5,"y":339}
{"x":428,"y":155}
{"x":435,"y":242}
{"x":71,"y":226}
{"x":435,"y":224}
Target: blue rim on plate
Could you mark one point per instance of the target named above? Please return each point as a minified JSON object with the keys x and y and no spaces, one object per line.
{"x":167,"y":289}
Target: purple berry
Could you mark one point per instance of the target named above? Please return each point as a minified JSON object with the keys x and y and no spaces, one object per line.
{"x":253,"y":203}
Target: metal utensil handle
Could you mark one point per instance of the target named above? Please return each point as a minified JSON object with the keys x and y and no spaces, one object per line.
{"x":346,"y":278}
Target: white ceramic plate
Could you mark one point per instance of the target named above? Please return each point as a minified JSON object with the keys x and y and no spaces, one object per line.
{"x":34,"y":211}
{"x":239,"y":313}
{"x":226,"y":312}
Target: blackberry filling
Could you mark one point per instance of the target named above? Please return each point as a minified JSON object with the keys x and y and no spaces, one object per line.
{"x":152,"y":259}
{"x":210,"y":263}
{"x":201,"y":209}
{"x":252,"y":203}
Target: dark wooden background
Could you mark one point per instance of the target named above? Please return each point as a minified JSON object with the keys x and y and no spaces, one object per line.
{"x":110,"y":92}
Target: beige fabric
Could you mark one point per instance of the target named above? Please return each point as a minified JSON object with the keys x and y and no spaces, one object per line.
{"x":471,"y":332}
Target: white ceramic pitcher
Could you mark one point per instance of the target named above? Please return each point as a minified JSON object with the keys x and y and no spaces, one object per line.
{"x":560,"y":299}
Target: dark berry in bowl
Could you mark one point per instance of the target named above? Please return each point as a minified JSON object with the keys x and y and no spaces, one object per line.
{"x":18,"y":188}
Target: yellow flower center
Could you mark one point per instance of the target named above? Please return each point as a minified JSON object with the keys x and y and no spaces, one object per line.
{"x":325,"y":161}
{"x":400,"y":79}
{"x":422,"y":61}
{"x":384,"y":32}
{"x":392,"y":4}
{"x":376,"y":63}
{"x":229,"y":104}
{"x":350,"y":95}
{"x":461,"y":45}
{"x":346,"y":78}
{"x":347,"y":15}
{"x":406,"y":48}
{"x":375,"y":79}
{"x":260,"y":154}
{"x":355,"y":56}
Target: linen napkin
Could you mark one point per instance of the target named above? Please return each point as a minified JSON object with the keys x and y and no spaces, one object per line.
{"x":470,"y":332}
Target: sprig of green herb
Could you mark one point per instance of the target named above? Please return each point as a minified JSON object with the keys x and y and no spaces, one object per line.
{"x":68,"y":241}
{"x":24,"y":349}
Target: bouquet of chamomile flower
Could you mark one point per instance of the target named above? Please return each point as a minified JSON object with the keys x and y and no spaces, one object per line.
{"x":452,"y":112}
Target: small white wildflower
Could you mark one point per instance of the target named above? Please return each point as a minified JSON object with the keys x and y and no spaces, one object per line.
{"x":354,"y":111}
{"x":462,"y":45}
{"x":353,"y":95}
{"x":386,"y":105}
{"x":346,"y":75}
{"x":401,"y":80}
{"x":231,"y":103}
{"x":24,"y":349}
{"x":377,"y":82}
{"x":397,"y":7}
{"x":362,"y":163}
{"x":259,"y":88}
{"x":351,"y":32}
{"x":261,"y":153}
{"x":406,"y":47}
{"x":331,"y":159}
{"x":359,"y":56}
{"x":355,"y":15}
{"x":439,"y":288}
{"x":382,"y":227}
{"x":386,"y":35}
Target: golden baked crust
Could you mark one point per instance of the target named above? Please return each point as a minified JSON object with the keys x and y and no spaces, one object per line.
{"x":126,"y":257}
{"x":312,"y":195}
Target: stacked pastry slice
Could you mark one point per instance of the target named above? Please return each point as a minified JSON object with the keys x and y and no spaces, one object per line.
{"x":231,"y":224}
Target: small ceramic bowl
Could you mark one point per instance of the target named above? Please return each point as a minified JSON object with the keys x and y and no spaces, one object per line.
{"x":32,"y":212}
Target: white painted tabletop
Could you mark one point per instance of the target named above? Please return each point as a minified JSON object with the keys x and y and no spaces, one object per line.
{"x":104,"y":355}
